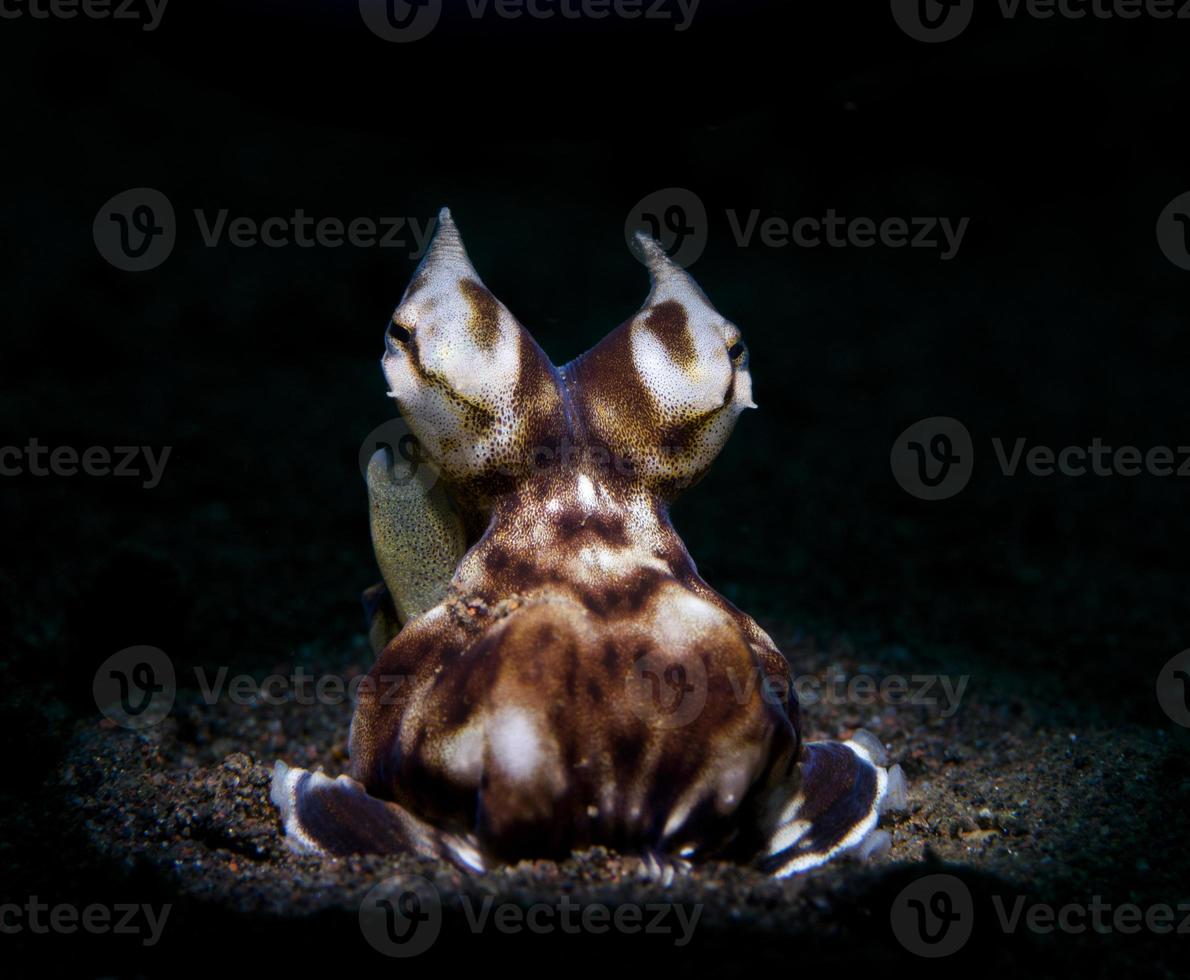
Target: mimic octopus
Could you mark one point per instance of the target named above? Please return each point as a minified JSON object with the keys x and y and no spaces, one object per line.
{"x":552,"y":671}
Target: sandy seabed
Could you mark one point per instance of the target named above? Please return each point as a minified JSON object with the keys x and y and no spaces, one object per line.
{"x":1014,"y":809}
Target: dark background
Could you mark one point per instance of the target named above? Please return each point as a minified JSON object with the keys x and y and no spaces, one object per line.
{"x":1059,"y":320}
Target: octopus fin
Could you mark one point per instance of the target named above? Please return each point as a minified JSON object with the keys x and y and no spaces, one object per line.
{"x":337,"y":817}
{"x":840,"y":793}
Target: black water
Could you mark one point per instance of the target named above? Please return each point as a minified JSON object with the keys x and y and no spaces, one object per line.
{"x":1058,"y":320}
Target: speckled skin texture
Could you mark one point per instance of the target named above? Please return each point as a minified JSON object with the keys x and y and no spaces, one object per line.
{"x":573,"y":681}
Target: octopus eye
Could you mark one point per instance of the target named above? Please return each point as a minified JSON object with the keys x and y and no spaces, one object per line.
{"x":737,"y":350}
{"x":399,"y":333}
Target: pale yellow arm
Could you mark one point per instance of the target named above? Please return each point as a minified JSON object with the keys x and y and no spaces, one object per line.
{"x":416,"y":534}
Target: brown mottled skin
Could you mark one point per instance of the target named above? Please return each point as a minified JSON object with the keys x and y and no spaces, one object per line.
{"x":526,"y":632}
